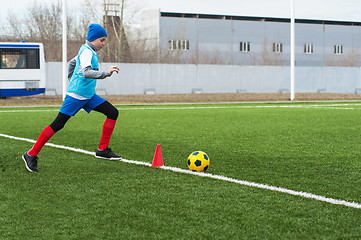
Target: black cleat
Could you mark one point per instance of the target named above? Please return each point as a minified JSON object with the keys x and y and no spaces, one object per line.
{"x":31,"y":163}
{"x":107,"y":154}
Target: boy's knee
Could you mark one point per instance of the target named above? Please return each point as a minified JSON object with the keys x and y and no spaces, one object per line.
{"x":57,"y":125}
{"x":113,"y":114}
{"x":59,"y":122}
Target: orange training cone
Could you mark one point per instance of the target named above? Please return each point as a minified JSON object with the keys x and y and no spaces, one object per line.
{"x":158,"y":158}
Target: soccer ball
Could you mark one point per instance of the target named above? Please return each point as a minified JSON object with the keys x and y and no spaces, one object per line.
{"x":198,"y":161}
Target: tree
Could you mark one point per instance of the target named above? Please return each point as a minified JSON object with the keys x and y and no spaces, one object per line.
{"x":43,"y":23}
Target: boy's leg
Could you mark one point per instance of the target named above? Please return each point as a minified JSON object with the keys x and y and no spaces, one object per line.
{"x":107,"y":132}
{"x":112,"y":115}
{"x":30,"y":158}
{"x":48,"y":132}
{"x":44,"y":137}
{"x":69,"y":108}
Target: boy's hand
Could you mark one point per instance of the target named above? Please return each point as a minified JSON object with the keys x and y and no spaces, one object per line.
{"x":113,"y":69}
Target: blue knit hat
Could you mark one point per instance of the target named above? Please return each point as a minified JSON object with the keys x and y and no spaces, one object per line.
{"x":95,"y":31}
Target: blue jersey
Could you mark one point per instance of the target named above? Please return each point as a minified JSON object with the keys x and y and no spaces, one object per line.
{"x":78,"y":83}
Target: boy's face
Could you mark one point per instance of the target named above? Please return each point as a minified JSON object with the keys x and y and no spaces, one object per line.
{"x":99,"y":43}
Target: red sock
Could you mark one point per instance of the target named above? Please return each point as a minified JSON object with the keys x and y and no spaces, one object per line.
{"x":108,"y":128}
{"x":44,"y":137}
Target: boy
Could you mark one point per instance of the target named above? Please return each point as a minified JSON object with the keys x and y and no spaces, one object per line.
{"x":81,"y":94}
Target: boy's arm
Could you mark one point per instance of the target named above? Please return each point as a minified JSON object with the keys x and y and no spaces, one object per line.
{"x":71,"y":67}
{"x":89,"y":73}
{"x":86,"y":67}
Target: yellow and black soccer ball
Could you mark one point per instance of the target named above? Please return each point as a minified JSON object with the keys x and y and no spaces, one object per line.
{"x":198,"y":161}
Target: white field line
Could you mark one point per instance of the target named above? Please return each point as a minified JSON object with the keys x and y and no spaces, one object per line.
{"x":325,"y":106}
{"x":32,"y":110}
{"x":208,"y":175}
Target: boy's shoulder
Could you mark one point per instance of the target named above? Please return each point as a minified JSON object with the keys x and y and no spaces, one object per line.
{"x":85,"y":49}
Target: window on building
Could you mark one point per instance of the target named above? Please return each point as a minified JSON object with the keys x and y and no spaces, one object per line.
{"x":277,"y":47}
{"x":338,"y":49}
{"x":172,"y":44}
{"x":245,"y":47}
{"x":308,"y":48}
{"x":178,"y":45}
{"x":185,"y":45}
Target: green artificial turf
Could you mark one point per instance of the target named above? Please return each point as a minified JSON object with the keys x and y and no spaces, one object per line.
{"x":313,"y":148}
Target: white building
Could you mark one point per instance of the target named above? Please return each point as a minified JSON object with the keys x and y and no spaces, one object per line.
{"x":241,"y":40}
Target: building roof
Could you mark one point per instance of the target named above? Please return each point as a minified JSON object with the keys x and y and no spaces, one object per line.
{"x":251,"y":18}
